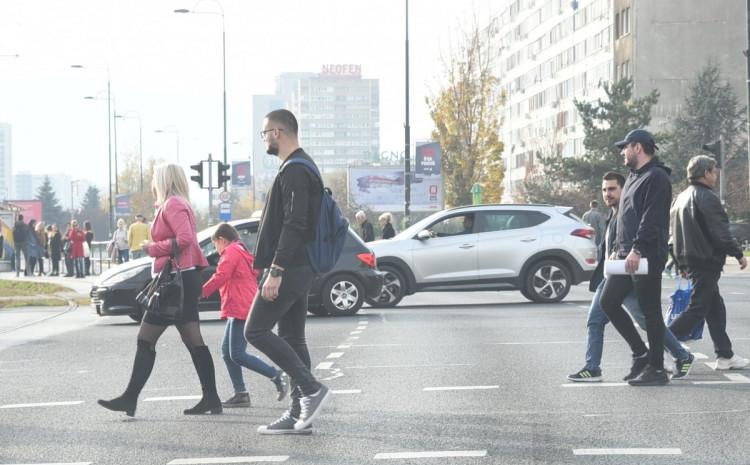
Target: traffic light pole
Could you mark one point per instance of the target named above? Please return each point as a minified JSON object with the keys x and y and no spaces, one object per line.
{"x":222,"y":178}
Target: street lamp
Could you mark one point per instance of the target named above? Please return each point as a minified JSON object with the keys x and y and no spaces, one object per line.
{"x":223,"y":61}
{"x":73,"y":182}
{"x":109,"y":142}
{"x":176,"y":132}
{"x":136,"y":115}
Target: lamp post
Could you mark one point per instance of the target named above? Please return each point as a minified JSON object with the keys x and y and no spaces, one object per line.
{"x":109,"y":143}
{"x":223,"y":62}
{"x":73,"y":182}
{"x":176,"y":132}
{"x":407,"y":133}
{"x":136,"y":115}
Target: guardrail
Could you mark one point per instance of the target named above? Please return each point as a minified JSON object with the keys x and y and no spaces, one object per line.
{"x":99,"y":257}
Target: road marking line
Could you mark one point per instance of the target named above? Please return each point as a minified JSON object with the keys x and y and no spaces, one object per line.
{"x":584,"y":307}
{"x":537,"y":343}
{"x":356,"y":332}
{"x":324,"y":366}
{"x":361,"y":327}
{"x":577,"y":385}
{"x":700,"y":356}
{"x":57,"y":463}
{"x":460,"y":388}
{"x":42,"y":404}
{"x":711,"y":365}
{"x":347,"y":391}
{"x":344,"y":346}
{"x":211,"y":460}
{"x":733,"y":378}
{"x":633,"y":451}
{"x":364,"y":367}
{"x":738,"y":293}
{"x":335,"y":355}
{"x":161,"y":399}
{"x":352,"y":338}
{"x":430,"y":454}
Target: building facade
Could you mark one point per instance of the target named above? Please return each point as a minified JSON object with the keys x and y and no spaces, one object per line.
{"x":6,"y":162}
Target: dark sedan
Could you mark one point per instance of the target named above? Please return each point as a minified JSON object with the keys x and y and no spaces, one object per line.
{"x":342,"y":291}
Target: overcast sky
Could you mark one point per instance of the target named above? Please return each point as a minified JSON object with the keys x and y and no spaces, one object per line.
{"x":167,"y":67}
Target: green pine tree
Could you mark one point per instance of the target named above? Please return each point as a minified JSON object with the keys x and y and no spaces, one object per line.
{"x":91,"y":210}
{"x":52,"y":212}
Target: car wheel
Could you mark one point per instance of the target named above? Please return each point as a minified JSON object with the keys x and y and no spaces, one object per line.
{"x":547,"y":281}
{"x":393,"y":288}
{"x":317,"y":310}
{"x":342,"y":295}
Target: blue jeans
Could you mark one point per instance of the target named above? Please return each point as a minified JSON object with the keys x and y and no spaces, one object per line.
{"x":78,"y":264}
{"x":136,"y":254}
{"x":233,"y":352}
{"x":598,"y":319}
{"x":123,"y":255}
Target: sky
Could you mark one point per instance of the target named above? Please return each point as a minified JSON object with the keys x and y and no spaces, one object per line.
{"x":166,"y":68}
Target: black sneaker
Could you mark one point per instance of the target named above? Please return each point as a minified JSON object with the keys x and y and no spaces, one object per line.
{"x":639,"y":363}
{"x":682,"y":367}
{"x":284,"y":425}
{"x":310,"y":407}
{"x":239,"y":400}
{"x":281,"y":385}
{"x":650,"y":377}
{"x":586,"y":376}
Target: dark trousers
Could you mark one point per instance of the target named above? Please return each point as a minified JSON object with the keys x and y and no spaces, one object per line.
{"x":705,"y":302}
{"x":288,"y":349}
{"x":18,"y":249}
{"x":648,"y":290}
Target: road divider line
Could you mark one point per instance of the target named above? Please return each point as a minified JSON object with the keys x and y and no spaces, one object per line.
{"x":460,"y":388}
{"x":324,"y":366}
{"x":580,"y":385}
{"x":169,"y":398}
{"x":356,"y":332}
{"x":346,"y":391}
{"x":335,"y":355}
{"x":700,"y":356}
{"x":215,"y":460}
{"x":631,"y":451}
{"x":42,"y":404}
{"x":344,"y":346}
{"x":430,"y":454}
{"x":365,"y":367}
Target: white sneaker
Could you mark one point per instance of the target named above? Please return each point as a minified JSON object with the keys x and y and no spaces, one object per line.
{"x":734,"y":363}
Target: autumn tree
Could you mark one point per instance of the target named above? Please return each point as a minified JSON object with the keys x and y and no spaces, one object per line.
{"x":129,"y":182}
{"x":466,"y":113}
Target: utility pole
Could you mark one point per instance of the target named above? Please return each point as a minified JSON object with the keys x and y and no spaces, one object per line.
{"x":407,"y":134}
{"x":210,"y":191}
{"x":747,"y":57}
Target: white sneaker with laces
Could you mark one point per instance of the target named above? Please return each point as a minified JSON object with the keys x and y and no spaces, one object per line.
{"x":734,"y":363}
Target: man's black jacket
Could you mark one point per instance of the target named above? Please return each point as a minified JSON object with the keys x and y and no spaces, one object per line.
{"x":700,"y":230}
{"x":643,"y":215}
{"x":368,"y":232}
{"x":289,"y":217}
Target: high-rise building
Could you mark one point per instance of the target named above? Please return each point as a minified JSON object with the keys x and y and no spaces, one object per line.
{"x":6,"y":165}
{"x":339,"y":116}
{"x":555,"y":51}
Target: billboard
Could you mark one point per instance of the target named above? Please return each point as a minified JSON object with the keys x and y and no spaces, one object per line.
{"x":241,"y":175}
{"x":428,"y":158}
{"x":122,"y":205}
{"x":382,"y":189}
{"x":30,"y":209}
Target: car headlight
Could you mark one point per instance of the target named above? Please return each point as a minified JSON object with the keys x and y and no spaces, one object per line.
{"x":123,"y":276}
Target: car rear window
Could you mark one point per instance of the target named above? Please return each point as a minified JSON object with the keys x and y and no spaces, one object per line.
{"x":506,"y":220}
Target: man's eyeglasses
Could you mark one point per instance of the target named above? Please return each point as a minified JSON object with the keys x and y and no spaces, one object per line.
{"x":264,"y":133}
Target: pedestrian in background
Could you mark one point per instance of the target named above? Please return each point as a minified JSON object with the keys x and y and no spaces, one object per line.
{"x":77,"y":237}
{"x":386,"y":225}
{"x":21,"y":244}
{"x":701,"y":241}
{"x":174,"y":222}
{"x":138,"y":233}
{"x":120,"y":242}
{"x":288,"y":223}
{"x":642,"y":232}
{"x":612,"y":184}
{"x":87,"y":248}
{"x":55,"y":248}
{"x":366,"y":230}
{"x":596,"y":220}
{"x":41,"y":235}
{"x":34,"y":247}
{"x":237,"y":283}
{"x":67,"y":252}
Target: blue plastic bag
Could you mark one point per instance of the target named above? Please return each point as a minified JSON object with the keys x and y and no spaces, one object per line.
{"x":680,"y":300}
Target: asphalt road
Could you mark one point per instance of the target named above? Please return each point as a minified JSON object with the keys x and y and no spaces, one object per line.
{"x":445,"y":378}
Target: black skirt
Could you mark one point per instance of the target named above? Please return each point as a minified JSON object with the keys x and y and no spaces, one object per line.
{"x":192,"y":287}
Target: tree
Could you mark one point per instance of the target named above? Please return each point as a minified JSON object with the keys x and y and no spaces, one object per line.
{"x":466,"y":115}
{"x":605,"y":121}
{"x":91,"y":210}
{"x":712,"y":110}
{"x":129,"y":182}
{"x":52,"y":212}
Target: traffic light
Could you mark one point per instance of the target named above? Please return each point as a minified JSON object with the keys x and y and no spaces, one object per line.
{"x":224,"y":176}
{"x":715,"y":148}
{"x":198,"y":177}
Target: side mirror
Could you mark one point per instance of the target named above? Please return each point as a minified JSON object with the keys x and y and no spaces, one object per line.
{"x":423,"y":235}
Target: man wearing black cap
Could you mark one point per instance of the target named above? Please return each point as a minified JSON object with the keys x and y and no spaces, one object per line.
{"x":642,"y":233}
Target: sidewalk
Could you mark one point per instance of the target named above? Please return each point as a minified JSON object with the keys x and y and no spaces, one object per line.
{"x":80,"y":286}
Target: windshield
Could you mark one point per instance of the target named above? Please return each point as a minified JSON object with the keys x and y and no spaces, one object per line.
{"x":412,"y":230}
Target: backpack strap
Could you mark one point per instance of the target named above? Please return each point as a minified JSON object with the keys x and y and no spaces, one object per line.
{"x":310,"y":166}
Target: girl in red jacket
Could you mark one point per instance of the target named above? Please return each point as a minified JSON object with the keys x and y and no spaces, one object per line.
{"x":237,"y":283}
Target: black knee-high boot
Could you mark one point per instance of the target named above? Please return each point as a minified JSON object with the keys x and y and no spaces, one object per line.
{"x":204,"y":365}
{"x":142,"y":367}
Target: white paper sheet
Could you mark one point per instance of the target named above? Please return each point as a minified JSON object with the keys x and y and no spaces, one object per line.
{"x":616,"y":267}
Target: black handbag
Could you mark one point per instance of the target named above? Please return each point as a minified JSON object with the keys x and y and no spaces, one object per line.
{"x":163,"y":295}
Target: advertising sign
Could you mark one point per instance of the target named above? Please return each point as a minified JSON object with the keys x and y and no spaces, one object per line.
{"x":122,"y":205}
{"x":225,"y":211}
{"x":241,"y":175}
{"x":30,"y":209}
{"x":382,"y":189}
{"x":428,"y":158}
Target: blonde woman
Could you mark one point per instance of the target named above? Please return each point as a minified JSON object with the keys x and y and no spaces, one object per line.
{"x":120,"y":247}
{"x":175,"y":220}
{"x":385,"y":224}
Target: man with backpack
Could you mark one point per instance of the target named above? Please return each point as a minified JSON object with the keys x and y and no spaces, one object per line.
{"x":288,"y":225}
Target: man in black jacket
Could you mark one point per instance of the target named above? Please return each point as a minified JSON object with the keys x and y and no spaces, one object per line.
{"x":21,"y":245}
{"x":701,"y":242}
{"x":642,"y":232}
{"x":286,"y":226}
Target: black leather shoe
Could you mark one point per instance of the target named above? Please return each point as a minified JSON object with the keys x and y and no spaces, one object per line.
{"x":120,"y":404}
{"x":650,"y":377}
{"x":212,"y":406}
{"x":639,"y":364}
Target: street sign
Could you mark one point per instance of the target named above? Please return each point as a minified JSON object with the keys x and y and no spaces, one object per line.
{"x":225,"y":211}
{"x":224,"y":196}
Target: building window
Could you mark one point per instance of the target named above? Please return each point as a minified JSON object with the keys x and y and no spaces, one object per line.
{"x":625,"y":18}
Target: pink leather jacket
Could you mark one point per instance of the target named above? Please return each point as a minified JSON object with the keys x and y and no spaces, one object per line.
{"x":175,"y":219}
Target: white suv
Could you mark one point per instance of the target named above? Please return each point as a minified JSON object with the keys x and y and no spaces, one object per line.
{"x":540,"y":250}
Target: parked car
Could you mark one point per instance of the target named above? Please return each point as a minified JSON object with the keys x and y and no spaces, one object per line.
{"x":540,"y":250}
{"x":342,"y":291}
{"x":741,"y":232}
